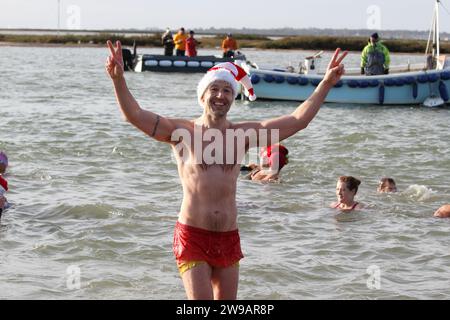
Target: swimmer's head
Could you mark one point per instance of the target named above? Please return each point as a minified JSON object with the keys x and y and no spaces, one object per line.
{"x":387,"y":185}
{"x":443,"y":212}
{"x":3,"y":162}
{"x":278,"y":156}
{"x":346,"y":188}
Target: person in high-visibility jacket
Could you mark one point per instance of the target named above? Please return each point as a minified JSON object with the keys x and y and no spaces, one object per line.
{"x":375,"y":58}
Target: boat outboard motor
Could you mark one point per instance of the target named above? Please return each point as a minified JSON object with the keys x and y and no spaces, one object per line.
{"x":129,"y":58}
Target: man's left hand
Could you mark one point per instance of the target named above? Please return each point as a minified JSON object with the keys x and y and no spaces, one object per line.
{"x":335,"y":69}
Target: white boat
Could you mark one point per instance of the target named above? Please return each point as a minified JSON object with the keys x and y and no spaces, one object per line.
{"x":427,"y":83}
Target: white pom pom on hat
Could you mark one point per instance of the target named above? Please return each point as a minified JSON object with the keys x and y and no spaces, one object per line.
{"x":230,"y":73}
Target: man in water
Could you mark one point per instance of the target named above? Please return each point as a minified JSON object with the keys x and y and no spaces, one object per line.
{"x":206,"y":239}
{"x":443,"y":212}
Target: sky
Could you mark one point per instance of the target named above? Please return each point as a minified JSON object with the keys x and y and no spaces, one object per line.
{"x":142,"y":14}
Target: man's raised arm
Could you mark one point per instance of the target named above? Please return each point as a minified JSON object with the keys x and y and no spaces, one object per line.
{"x":303,"y":115}
{"x":157,"y":127}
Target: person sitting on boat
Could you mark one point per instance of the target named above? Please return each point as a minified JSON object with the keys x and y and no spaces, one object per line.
{"x":229,"y":45}
{"x":273,"y":159}
{"x":346,"y":189}
{"x":180,"y":42}
{"x":386,"y":185}
{"x":191,"y":45}
{"x":167,"y":42}
{"x":443,"y":212}
{"x":375,"y":57}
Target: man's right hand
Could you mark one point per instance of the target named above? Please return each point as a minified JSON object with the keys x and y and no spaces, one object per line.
{"x":114,"y":63}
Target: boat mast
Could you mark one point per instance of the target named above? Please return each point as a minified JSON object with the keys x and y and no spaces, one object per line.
{"x":436,"y":31}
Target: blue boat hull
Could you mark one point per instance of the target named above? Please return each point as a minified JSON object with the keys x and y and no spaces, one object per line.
{"x":396,"y":89}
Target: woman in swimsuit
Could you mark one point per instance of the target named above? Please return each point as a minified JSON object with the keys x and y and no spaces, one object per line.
{"x":346,"y":189}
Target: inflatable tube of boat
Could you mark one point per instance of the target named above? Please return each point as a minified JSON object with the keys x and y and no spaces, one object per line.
{"x":381,"y":94}
{"x":443,"y":91}
{"x":255,"y":78}
{"x":415,"y":90}
{"x":315,"y":82}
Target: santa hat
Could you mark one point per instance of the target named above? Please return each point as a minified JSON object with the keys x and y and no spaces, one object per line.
{"x":230,"y":73}
{"x":3,"y":183}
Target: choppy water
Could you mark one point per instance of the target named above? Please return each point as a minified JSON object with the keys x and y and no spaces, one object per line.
{"x":91,"y":192}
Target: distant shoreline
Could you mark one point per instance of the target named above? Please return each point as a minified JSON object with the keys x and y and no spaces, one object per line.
{"x":212,"y":42}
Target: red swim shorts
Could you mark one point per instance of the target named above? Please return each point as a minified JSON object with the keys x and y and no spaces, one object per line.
{"x":218,"y":249}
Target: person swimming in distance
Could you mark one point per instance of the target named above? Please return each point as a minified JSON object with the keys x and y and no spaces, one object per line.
{"x":443,"y":212}
{"x":346,"y":189}
{"x":386,"y":185}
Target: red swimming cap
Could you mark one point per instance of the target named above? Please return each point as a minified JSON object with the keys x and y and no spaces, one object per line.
{"x":277,"y":153}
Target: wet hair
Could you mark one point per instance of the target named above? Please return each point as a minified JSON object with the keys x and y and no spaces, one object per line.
{"x":350,"y":182}
{"x":384,"y":180}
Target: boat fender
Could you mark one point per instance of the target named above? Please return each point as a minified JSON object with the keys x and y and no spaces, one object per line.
{"x":445,"y":75}
{"x":193,"y":64}
{"x":415,"y":90}
{"x":363,"y":83}
{"x":302,"y":81}
{"x":399,"y":82}
{"x":374,"y":83}
{"x":206,"y":64}
{"x":409,"y":80}
{"x":381,"y":94}
{"x":255,"y":78}
{"x":433,"y":77}
{"x":339,"y":84}
{"x":279,"y":79}
{"x":389,"y":82}
{"x":165,"y":63}
{"x":315,"y":82}
{"x":352,"y":83}
{"x":422,"y":78}
{"x":151,"y":63}
{"x":292,"y":80}
{"x":443,"y":91}
{"x":269,"y":78}
{"x":179,"y":64}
